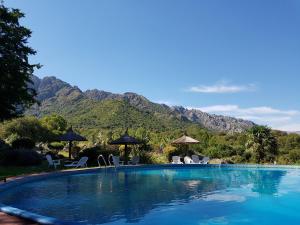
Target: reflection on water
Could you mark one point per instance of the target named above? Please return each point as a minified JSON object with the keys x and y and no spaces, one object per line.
{"x":131,"y":195}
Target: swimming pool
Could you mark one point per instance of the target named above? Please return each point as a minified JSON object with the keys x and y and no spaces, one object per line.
{"x":185,"y":195}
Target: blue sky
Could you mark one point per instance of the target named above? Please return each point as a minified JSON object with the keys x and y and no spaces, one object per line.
{"x":237,"y":58}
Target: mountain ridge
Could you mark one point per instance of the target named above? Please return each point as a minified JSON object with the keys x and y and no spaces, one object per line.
{"x":57,"y":96}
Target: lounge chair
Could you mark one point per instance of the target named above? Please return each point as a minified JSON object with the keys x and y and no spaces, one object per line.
{"x":116,"y":161}
{"x":176,"y":160}
{"x":196,"y":159}
{"x":81,"y":163}
{"x":134,"y":161}
{"x":205,"y":160}
{"x":188,"y":160}
{"x":52,"y":162}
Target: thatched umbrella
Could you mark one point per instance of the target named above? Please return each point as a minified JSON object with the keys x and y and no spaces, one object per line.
{"x":125,"y":140}
{"x":185,"y":141}
{"x":71,"y":136}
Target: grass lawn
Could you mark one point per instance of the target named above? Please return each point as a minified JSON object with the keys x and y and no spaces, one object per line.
{"x":10,"y":171}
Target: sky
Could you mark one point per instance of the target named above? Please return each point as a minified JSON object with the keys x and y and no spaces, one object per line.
{"x":238,"y":58}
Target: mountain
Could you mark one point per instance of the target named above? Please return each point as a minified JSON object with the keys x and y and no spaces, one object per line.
{"x":293,"y":132}
{"x":215,"y":122}
{"x":101,"y":109}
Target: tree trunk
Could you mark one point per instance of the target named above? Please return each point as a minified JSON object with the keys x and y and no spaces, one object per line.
{"x":70,"y":149}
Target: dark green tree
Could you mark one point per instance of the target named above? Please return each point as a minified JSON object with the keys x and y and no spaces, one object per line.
{"x":25,"y":127}
{"x":15,"y":69}
{"x":54,"y":123}
{"x":261,"y":144}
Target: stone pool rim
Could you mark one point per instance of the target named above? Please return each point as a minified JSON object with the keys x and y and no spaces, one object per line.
{"x":15,"y":181}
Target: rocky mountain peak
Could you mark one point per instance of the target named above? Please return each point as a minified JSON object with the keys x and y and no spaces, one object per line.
{"x":55,"y":91}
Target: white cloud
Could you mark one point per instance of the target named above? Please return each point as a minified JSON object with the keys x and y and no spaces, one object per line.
{"x":268,"y":110}
{"x":221,"y":88}
{"x":273,"y":119}
{"x":276,"y":118}
{"x":262,"y":110}
{"x":288,"y":127}
{"x":169,"y":103}
{"x":218,"y":108}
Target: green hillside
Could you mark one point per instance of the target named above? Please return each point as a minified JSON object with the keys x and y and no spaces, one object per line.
{"x":101,"y":109}
{"x":112,"y":114}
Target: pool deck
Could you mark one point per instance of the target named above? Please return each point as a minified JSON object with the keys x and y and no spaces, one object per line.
{"x":6,"y":219}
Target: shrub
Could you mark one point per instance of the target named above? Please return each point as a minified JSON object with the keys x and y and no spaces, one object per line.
{"x":239,"y":150}
{"x":283,"y":159}
{"x":93,"y":153}
{"x":75,"y":151}
{"x":145,"y":158}
{"x":56,"y":145}
{"x":152,"y":158}
{"x":3,"y":145}
{"x":23,"y":143}
{"x":156,"y":158}
{"x":54,"y":148}
{"x":247,"y":156}
{"x":29,"y":127}
{"x":52,"y":154}
{"x":212,"y":152}
{"x":294,"y":155}
{"x":220,"y":151}
{"x":60,"y":156}
{"x":20,"y":157}
{"x":11,"y":138}
{"x":237,"y":159}
{"x":168,"y":151}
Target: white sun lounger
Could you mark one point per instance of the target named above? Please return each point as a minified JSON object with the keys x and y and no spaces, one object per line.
{"x":81,"y":163}
{"x":134,"y":161}
{"x":188,"y":160}
{"x":52,"y":162}
{"x":176,"y":160}
{"x":196,"y":159}
{"x":205,"y":160}
{"x":116,"y":161}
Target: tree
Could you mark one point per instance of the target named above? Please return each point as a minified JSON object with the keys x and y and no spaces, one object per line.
{"x":261,"y":144}
{"x":15,"y":69}
{"x":24,"y":127}
{"x":144,"y":137}
{"x":54,"y":123}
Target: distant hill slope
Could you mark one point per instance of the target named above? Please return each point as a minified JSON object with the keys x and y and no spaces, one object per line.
{"x":101,"y":109}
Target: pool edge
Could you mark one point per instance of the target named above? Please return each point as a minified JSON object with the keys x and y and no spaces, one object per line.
{"x":53,"y":221}
{"x":32,"y":216}
{"x":45,"y":220}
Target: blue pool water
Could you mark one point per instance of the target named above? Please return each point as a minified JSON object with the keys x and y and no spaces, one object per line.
{"x":179,"y":196}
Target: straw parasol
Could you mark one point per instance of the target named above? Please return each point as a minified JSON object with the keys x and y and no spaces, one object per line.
{"x":125,"y":140}
{"x":71,"y":136}
{"x":185,"y":141}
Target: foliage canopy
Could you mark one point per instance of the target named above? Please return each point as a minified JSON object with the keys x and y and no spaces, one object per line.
{"x":15,"y":69}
